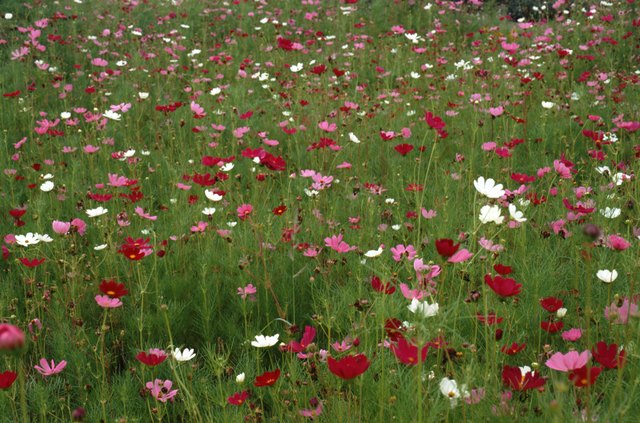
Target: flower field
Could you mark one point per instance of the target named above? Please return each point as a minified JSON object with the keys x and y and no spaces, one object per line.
{"x":356,"y":211}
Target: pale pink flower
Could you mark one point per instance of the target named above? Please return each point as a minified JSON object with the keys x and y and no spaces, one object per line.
{"x":460,"y":256}
{"x":621,"y":314}
{"x":140,"y":212}
{"x":569,"y":361}
{"x":411,"y":294}
{"x":46,"y":369}
{"x":106,"y":301}
{"x":248,"y":291}
{"x":61,"y":228}
{"x":336,"y":243}
{"x":572,"y":334}
{"x":161,"y":390}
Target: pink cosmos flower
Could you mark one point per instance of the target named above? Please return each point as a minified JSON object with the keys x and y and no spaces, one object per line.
{"x":620,"y":315}
{"x":336,"y":243}
{"x":11,"y":337}
{"x":249,"y":291}
{"x":569,"y":361}
{"x":411,"y":294}
{"x":460,"y":256}
{"x":145,"y":215}
{"x":61,"y":228}
{"x":572,"y":334}
{"x":428,"y":214}
{"x":161,"y":390}
{"x":106,"y":301}
{"x":618,"y":243}
{"x":244,"y":211}
{"x":400,"y":250}
{"x":46,"y":369}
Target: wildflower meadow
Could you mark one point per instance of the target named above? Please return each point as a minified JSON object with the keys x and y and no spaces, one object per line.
{"x":338,"y":211}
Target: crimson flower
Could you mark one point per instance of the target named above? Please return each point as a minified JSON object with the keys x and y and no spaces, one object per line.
{"x":267,"y":378}
{"x":31,"y":263}
{"x":403,"y":149}
{"x":238,"y":398}
{"x":490,"y":319}
{"x":279,"y":211}
{"x":504,"y":287}
{"x":521,"y":379}
{"x":608,"y":355}
{"x":408,"y":353}
{"x":502,"y":269}
{"x":349,"y":366}
{"x":446,"y":248}
{"x":394,"y":329}
{"x":513,"y":349}
{"x":307,"y":339}
{"x":552,"y":327}
{"x":377,"y":285}
{"x":551,"y":304}
{"x":7,"y":378}
{"x":155,"y":357}
{"x":584,"y":376}
{"x":135,"y":249}
{"x":113,"y":288}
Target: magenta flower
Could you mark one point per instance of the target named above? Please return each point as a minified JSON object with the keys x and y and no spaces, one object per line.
{"x":161,"y":390}
{"x":400,"y":250}
{"x":572,"y":334}
{"x":249,"y":291}
{"x":569,"y":361}
{"x":11,"y":337}
{"x":244,"y":211}
{"x":106,"y":301}
{"x":61,"y":228}
{"x":460,"y":256}
{"x":46,"y":369}
{"x":617,"y":243}
{"x":620,"y":315}
{"x":337,"y":244}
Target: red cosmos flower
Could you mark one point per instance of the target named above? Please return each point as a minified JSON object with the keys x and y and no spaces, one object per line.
{"x":408,"y":353}
{"x":31,"y":263}
{"x":433,"y":121}
{"x":504,"y":287}
{"x":518,"y":380}
{"x":584,"y":376}
{"x":113,"y":288}
{"x":403,"y":149}
{"x":394,"y":329}
{"x":17,"y":213}
{"x":7,"y":378}
{"x":446,"y":248}
{"x":608,"y":355}
{"x":155,"y":357}
{"x":551,"y":304}
{"x":377,"y":285}
{"x":552,"y":327}
{"x":502,"y":269}
{"x":522,"y":178}
{"x":307,"y":339}
{"x":319,"y":69}
{"x":238,"y":398}
{"x":267,"y":378}
{"x":513,"y":349}
{"x":349,"y":366}
{"x":135,"y":249}
{"x":490,"y":319}
{"x":279,"y":211}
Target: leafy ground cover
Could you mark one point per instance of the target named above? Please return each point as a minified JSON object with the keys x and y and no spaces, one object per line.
{"x":336,"y":211}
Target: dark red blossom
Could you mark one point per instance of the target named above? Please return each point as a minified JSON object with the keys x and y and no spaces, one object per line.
{"x":394,"y":329}
{"x":267,"y":378}
{"x":551,"y":304}
{"x":238,"y":398}
{"x":584,"y":376}
{"x":552,"y":327}
{"x":350,"y":366}
{"x":377,"y":285}
{"x":113,"y":289}
{"x":151,"y":359}
{"x":490,"y":319}
{"x":403,"y":149}
{"x":7,"y":378}
{"x":407,"y":353}
{"x":504,"y":287}
{"x":502,"y":269}
{"x":446,"y":248}
{"x":513,"y":349}
{"x":515,"y":379}
{"x":608,"y":355}
{"x":31,"y":263}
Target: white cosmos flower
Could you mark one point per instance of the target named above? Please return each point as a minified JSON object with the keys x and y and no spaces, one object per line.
{"x":491,"y":214}
{"x":215,"y":91}
{"x":98,"y":211}
{"x":265,"y":341}
{"x":353,"y":138}
{"x":488,"y":187}
{"x":227,"y":167}
{"x":26,"y":240}
{"x":65,"y":115}
{"x":449,"y":388}
{"x":44,"y":237}
{"x":548,"y":104}
{"x":607,"y":276}
{"x":212,"y":195}
{"x":516,"y":215}
{"x":619,"y":178}
{"x":209,"y":211}
{"x":374,"y":253}
{"x":561,"y":312}
{"x":184,"y":355}
{"x":143,"y":95}
{"x":240,"y":378}
{"x":610,"y":213}
{"x":296,"y":68}
{"x":47,"y":186}
{"x":423,"y":307}
{"x":100,"y":247}
{"x":109,"y":114}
